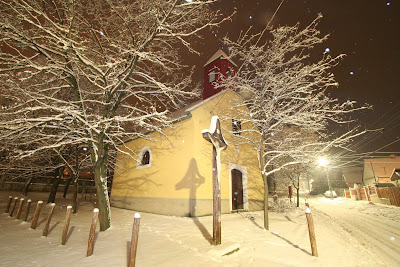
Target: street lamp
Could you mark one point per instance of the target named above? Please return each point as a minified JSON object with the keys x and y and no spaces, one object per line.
{"x":324,"y":162}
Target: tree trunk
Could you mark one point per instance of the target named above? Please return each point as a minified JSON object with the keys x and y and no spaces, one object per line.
{"x":266,"y":220}
{"x":75,"y":181}
{"x":26,"y":186}
{"x":47,"y":184}
{"x":298,"y":190}
{"x":100,"y":178}
{"x":102,"y":195}
{"x":56,"y":182}
{"x":265,"y":179}
{"x":66,"y":186}
{"x":75,"y":196}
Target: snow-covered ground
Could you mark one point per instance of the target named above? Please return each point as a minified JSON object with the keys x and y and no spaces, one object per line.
{"x":175,"y":241}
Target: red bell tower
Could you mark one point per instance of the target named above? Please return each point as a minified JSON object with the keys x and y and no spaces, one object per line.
{"x":218,"y":66}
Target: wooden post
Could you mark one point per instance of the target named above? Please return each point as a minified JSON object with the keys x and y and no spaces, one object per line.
{"x":20,"y":205}
{"x":46,"y":227}
{"x":8,"y":204}
{"x":27,"y":210}
{"x":214,"y":136}
{"x":66,"y":226}
{"x":134,"y":240}
{"x":36,"y":215}
{"x":306,"y":202}
{"x":311,"y":232}
{"x":366,"y":191}
{"x":14,"y":205}
{"x":216,"y":200}
{"x":92,"y":232}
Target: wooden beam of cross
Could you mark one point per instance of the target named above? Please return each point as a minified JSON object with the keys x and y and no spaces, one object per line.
{"x":214,"y":136}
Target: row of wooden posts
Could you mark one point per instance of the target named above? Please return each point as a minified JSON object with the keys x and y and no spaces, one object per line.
{"x":135,"y":230}
{"x":12,"y":205}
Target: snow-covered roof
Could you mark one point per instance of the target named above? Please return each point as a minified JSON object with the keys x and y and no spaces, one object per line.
{"x":383,"y":167}
{"x":395,"y":175}
{"x":177,"y":115}
{"x":353,"y":174}
{"x":184,"y":113}
{"x":220,"y":54}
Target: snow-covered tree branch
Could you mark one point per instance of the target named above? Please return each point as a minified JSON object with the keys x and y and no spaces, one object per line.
{"x":284,"y":90}
{"x":94,"y":72}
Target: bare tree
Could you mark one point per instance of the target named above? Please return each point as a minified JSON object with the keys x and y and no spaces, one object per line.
{"x":291,"y":176}
{"x":36,"y":168}
{"x":95,"y":72}
{"x":284,"y":91}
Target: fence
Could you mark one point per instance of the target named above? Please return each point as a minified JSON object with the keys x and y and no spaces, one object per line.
{"x":347,"y":193}
{"x":391,"y":193}
{"x":386,"y":195}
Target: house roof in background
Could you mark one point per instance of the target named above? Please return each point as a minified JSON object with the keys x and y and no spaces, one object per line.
{"x":395,"y":175}
{"x":353,"y":174}
{"x":383,"y":167}
{"x":220,"y":54}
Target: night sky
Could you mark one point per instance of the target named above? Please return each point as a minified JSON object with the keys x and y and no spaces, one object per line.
{"x":365,"y":30}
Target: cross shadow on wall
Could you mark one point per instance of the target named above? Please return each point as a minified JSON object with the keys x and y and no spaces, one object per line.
{"x":192,"y":180}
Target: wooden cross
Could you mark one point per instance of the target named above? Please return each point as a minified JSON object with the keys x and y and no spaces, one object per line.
{"x":214,"y":136}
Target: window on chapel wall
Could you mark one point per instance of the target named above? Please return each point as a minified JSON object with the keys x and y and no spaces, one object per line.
{"x":145,"y":158}
{"x":236,"y":127}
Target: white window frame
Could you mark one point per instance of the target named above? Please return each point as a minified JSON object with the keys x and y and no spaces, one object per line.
{"x":212,"y":75}
{"x":141,"y":153}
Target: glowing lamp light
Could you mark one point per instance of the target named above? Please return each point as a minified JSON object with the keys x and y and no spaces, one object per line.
{"x":322,"y":161}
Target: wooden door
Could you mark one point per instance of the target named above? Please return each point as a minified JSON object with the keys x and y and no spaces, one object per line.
{"x":237,"y":189}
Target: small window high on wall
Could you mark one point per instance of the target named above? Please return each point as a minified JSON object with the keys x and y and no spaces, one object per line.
{"x":212,"y":75}
{"x":144,"y":158}
{"x":228,"y":73}
{"x":236,"y":127}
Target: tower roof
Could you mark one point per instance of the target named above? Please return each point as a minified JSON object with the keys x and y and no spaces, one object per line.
{"x":220,"y":54}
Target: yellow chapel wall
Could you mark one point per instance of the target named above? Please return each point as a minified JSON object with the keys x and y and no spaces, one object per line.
{"x":242,"y":157}
{"x":146,"y":189}
{"x":179,"y":181}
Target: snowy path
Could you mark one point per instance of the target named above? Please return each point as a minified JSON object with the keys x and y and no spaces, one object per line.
{"x":175,"y":241}
{"x":376,"y":227}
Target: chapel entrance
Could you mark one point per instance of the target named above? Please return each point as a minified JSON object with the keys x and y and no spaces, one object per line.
{"x":237,"y":189}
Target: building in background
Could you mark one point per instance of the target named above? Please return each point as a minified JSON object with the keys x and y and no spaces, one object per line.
{"x":378,"y":171}
{"x":353,"y":175}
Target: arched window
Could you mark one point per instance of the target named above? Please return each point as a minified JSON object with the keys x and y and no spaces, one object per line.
{"x":145,"y":158}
